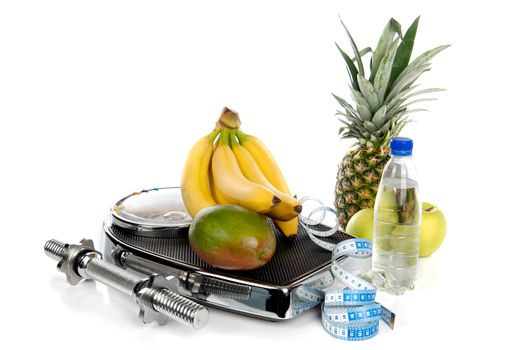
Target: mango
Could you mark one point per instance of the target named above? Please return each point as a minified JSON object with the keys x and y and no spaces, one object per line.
{"x":232,"y":237}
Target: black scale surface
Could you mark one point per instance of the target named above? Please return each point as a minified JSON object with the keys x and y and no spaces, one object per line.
{"x":293,"y":259}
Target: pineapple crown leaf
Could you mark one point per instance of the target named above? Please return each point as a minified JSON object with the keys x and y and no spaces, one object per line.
{"x":351,"y":118}
{"x":361,"y":69}
{"x":391,"y":28}
{"x":403,"y":52}
{"x":379,"y":117}
{"x":382,"y":79}
{"x":381,"y":102}
{"x":362,"y":105}
{"x":350,"y":67}
{"x":363,"y":53}
{"x":368,"y":92}
{"x":348,"y":107}
{"x":412,"y":72}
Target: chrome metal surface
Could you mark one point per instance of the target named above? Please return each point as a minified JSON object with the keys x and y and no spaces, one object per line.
{"x":160,"y":303}
{"x":264,"y":300}
{"x":279,"y":290}
{"x":157,"y":212}
{"x":193,"y":282}
{"x":90,"y":266}
{"x":154,"y":295}
{"x":68,"y":256}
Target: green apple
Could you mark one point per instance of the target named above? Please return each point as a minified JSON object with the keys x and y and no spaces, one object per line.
{"x":388,"y":212}
{"x":361,"y":224}
{"x":404,"y":240}
{"x":386,"y":221}
{"x":387,"y":199}
{"x":433,"y":229}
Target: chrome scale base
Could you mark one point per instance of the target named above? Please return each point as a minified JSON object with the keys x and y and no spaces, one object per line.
{"x":280,"y":290}
{"x":267,"y":292}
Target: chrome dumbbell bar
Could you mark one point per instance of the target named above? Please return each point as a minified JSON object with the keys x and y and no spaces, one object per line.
{"x":155,"y":295}
{"x":191,"y":282}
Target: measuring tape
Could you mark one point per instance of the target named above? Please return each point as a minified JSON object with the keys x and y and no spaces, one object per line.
{"x":350,"y":312}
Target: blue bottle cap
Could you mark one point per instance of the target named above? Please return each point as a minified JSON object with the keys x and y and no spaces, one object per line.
{"x":401,"y":146}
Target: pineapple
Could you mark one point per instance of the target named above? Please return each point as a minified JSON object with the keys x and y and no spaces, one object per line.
{"x":378,"y":112}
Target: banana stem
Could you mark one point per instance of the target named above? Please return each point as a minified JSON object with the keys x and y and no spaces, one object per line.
{"x":213,"y":134}
{"x":224,"y":137}
{"x":241,"y":136}
{"x":229,"y":119}
{"x":233,"y":140}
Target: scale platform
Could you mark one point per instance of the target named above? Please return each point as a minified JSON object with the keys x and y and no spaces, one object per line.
{"x":148,"y":232}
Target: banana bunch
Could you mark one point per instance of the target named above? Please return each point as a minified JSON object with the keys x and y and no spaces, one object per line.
{"x":228,"y":166}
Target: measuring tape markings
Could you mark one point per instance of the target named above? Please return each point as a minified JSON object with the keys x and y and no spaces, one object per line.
{"x":309,"y":295}
{"x":350,"y":313}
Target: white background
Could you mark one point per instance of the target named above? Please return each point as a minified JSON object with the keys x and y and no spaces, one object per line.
{"x":102,"y":98}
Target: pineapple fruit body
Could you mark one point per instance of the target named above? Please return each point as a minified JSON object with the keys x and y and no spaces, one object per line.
{"x":357,"y":180}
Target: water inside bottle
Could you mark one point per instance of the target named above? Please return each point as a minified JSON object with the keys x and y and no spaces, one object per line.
{"x":396,"y":235}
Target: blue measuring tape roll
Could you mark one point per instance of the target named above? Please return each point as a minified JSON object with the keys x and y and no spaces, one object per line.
{"x":350,"y":312}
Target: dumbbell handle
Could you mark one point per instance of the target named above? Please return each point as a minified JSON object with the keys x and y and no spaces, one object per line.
{"x":156,"y":300}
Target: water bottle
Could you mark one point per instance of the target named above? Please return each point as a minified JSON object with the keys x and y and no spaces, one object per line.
{"x":397,"y":222}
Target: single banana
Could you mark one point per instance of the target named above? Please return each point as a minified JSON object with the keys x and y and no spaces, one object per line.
{"x":233,"y":184}
{"x":195,"y":184}
{"x":219,"y":197}
{"x":264,"y":159}
{"x":288,"y":228}
{"x":289,"y":207}
{"x":272,"y":172}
